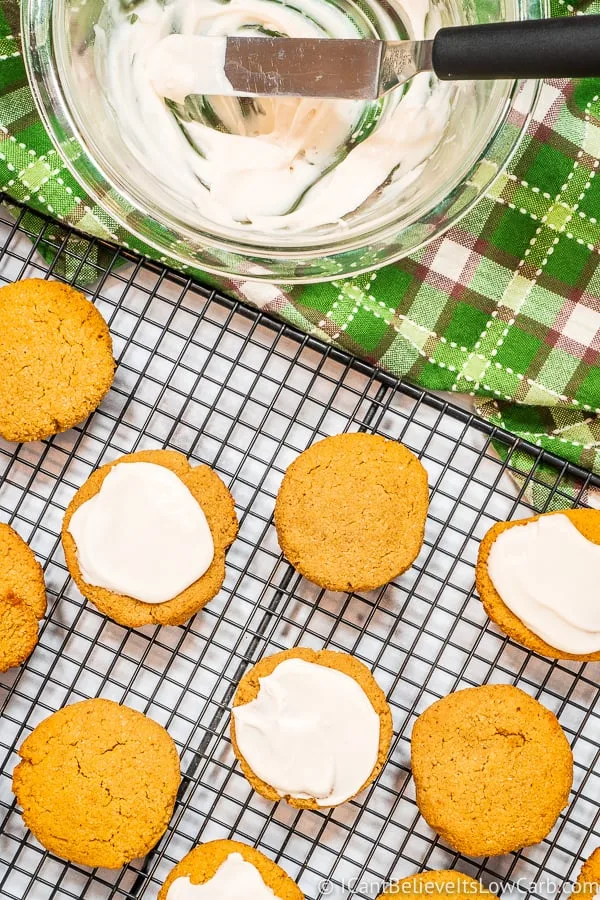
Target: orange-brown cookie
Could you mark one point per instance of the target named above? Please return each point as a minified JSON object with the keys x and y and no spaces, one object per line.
{"x":22,"y":598}
{"x":56,"y":360}
{"x":587,"y":521}
{"x":444,"y":883}
{"x":219,"y":509}
{"x":350,"y":512}
{"x":97,"y":783}
{"x":249,"y":687}
{"x":201,"y":864}
{"x":588,"y":883}
{"x":492,"y":768}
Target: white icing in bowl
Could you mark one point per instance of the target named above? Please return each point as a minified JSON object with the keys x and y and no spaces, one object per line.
{"x":265,"y":164}
{"x":412,"y":205}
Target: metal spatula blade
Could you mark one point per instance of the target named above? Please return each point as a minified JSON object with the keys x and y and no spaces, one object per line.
{"x":366,"y":69}
{"x":346,"y":69}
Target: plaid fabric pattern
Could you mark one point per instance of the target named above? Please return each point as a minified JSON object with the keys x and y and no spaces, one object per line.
{"x":505,"y":306}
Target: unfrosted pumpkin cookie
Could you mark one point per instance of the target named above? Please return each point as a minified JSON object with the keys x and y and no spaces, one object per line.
{"x":97,"y":783}
{"x":537,"y":579}
{"x":146,"y":535}
{"x":492,"y":768}
{"x":444,"y":883}
{"x":225,"y":865}
{"x":350,"y":512}
{"x":22,"y":598}
{"x":588,"y":882}
{"x":310,"y":726}
{"x":56,"y":360}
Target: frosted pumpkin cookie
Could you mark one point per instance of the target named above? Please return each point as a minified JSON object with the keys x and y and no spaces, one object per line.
{"x":146,"y":535}
{"x":588,"y":883}
{"x":310,"y":726}
{"x":537,"y":579}
{"x":492,"y":768}
{"x":445,"y":883}
{"x":56,"y":360}
{"x":97,"y":783}
{"x":229,"y":870}
{"x":22,"y":598}
{"x":350,"y":512}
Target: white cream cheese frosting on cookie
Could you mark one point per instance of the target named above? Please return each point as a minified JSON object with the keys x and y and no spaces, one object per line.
{"x":546,"y":572}
{"x":235,"y":879}
{"x":311,"y":733}
{"x":143,"y":534}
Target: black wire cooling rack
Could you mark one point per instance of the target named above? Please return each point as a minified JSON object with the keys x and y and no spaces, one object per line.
{"x":226,"y":385}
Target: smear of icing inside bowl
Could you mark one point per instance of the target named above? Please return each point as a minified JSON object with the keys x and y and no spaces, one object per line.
{"x":262,"y":164}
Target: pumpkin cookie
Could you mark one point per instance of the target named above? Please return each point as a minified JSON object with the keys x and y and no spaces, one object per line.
{"x":588,"y":883}
{"x":97,"y":783}
{"x":150,"y":534}
{"x":22,"y":598}
{"x":224,"y":860}
{"x":492,"y":768}
{"x":445,"y":883}
{"x":350,"y":512}
{"x":305,"y":759}
{"x":534,"y":574}
{"x":56,"y":360}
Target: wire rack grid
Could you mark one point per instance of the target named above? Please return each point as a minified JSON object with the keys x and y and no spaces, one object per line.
{"x":230,"y":387}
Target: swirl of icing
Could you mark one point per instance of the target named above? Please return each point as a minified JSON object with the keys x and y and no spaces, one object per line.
{"x":266,"y":164}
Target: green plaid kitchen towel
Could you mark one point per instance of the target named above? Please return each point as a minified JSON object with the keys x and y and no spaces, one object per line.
{"x":505,"y":306}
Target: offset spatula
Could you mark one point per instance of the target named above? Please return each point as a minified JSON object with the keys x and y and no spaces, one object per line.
{"x":367,"y":69}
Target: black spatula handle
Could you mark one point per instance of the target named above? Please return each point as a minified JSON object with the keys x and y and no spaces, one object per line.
{"x":548,"y":48}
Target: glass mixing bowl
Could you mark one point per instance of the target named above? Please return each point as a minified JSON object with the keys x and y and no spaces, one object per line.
{"x":486,"y":123}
